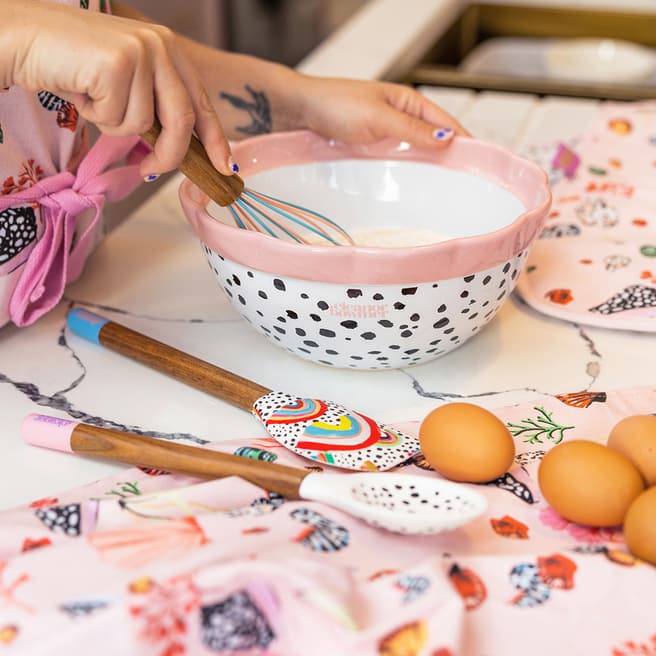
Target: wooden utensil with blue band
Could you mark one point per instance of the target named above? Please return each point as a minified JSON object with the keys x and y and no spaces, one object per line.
{"x":323,"y":431}
{"x":179,"y":365}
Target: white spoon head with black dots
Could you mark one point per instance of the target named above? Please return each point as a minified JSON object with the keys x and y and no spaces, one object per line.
{"x":401,"y":503}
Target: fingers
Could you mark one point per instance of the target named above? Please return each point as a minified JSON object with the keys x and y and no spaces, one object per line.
{"x":140,"y":110}
{"x":416,"y":106}
{"x":402,"y":126}
{"x":110,"y":87}
{"x":176,"y":115}
{"x":182,"y":104}
{"x":129,"y":72}
{"x":436,"y":116}
{"x":148,"y":76}
{"x":207,"y":124}
{"x":136,"y":116}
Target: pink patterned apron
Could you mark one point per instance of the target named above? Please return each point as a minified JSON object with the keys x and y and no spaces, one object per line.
{"x":56,"y":259}
{"x":52,"y":192}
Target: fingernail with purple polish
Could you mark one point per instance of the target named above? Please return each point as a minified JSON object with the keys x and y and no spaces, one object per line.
{"x":151,"y":178}
{"x":233,"y":167}
{"x":443,"y":133}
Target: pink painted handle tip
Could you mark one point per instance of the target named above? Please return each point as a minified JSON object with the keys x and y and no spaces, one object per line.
{"x":48,"y":432}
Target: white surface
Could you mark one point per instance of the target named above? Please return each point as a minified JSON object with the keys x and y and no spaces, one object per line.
{"x":519,"y":57}
{"x":153,"y":271}
{"x":581,"y":60}
{"x":598,"y":60}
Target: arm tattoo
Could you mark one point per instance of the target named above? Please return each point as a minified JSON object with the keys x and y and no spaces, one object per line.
{"x":258,"y":108}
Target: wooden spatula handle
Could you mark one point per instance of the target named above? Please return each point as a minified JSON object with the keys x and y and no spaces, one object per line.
{"x":133,"y":449}
{"x":162,"y":357}
{"x":196,"y":165}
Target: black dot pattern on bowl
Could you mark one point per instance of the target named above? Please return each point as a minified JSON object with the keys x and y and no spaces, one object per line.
{"x":404,"y":325}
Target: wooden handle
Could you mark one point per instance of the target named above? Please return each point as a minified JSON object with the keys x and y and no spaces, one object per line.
{"x":181,"y":366}
{"x":196,"y":165}
{"x":133,"y":449}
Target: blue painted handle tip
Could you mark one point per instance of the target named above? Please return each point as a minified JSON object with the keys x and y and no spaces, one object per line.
{"x":86,"y":324}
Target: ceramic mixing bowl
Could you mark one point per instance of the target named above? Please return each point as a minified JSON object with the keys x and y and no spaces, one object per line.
{"x":451,"y":228}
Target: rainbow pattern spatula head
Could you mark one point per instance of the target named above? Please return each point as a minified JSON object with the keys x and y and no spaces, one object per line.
{"x":323,"y":431}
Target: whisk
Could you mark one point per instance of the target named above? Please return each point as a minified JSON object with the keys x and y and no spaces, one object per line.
{"x":253,"y":210}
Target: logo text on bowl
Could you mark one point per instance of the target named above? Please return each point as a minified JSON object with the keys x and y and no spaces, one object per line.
{"x":358,"y":310}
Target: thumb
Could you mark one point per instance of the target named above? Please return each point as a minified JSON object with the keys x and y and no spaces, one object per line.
{"x":416,"y":131}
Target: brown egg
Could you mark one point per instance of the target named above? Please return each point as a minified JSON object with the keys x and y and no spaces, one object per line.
{"x":635,"y":438}
{"x":588,"y":483}
{"x":640,"y":526}
{"x":465,"y":442}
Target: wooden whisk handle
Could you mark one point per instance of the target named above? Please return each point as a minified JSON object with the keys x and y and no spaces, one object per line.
{"x":196,"y":165}
{"x":133,"y":449}
{"x":159,"y":356}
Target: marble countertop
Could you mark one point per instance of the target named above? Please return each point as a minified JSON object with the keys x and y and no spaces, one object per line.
{"x":150,"y":274}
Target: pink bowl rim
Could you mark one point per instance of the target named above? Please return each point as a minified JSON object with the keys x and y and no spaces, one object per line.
{"x":453,"y":258}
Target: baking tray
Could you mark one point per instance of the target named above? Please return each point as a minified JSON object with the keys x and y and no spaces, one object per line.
{"x":478,"y":23}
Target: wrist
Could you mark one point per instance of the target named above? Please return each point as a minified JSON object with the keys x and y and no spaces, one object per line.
{"x":292,"y":109}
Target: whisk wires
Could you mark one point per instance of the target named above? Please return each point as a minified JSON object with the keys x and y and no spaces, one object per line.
{"x":254,"y":210}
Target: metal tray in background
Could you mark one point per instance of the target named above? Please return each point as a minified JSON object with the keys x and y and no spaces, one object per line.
{"x":478,"y":23}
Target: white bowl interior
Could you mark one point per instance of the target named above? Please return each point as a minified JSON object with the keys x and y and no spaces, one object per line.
{"x":391,"y":202}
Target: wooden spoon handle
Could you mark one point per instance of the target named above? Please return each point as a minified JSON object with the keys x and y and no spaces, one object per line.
{"x":133,"y":449}
{"x":196,"y":165}
{"x":166,"y":359}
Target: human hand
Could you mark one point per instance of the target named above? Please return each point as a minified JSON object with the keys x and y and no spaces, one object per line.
{"x":118,"y":72}
{"x":356,"y":111}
